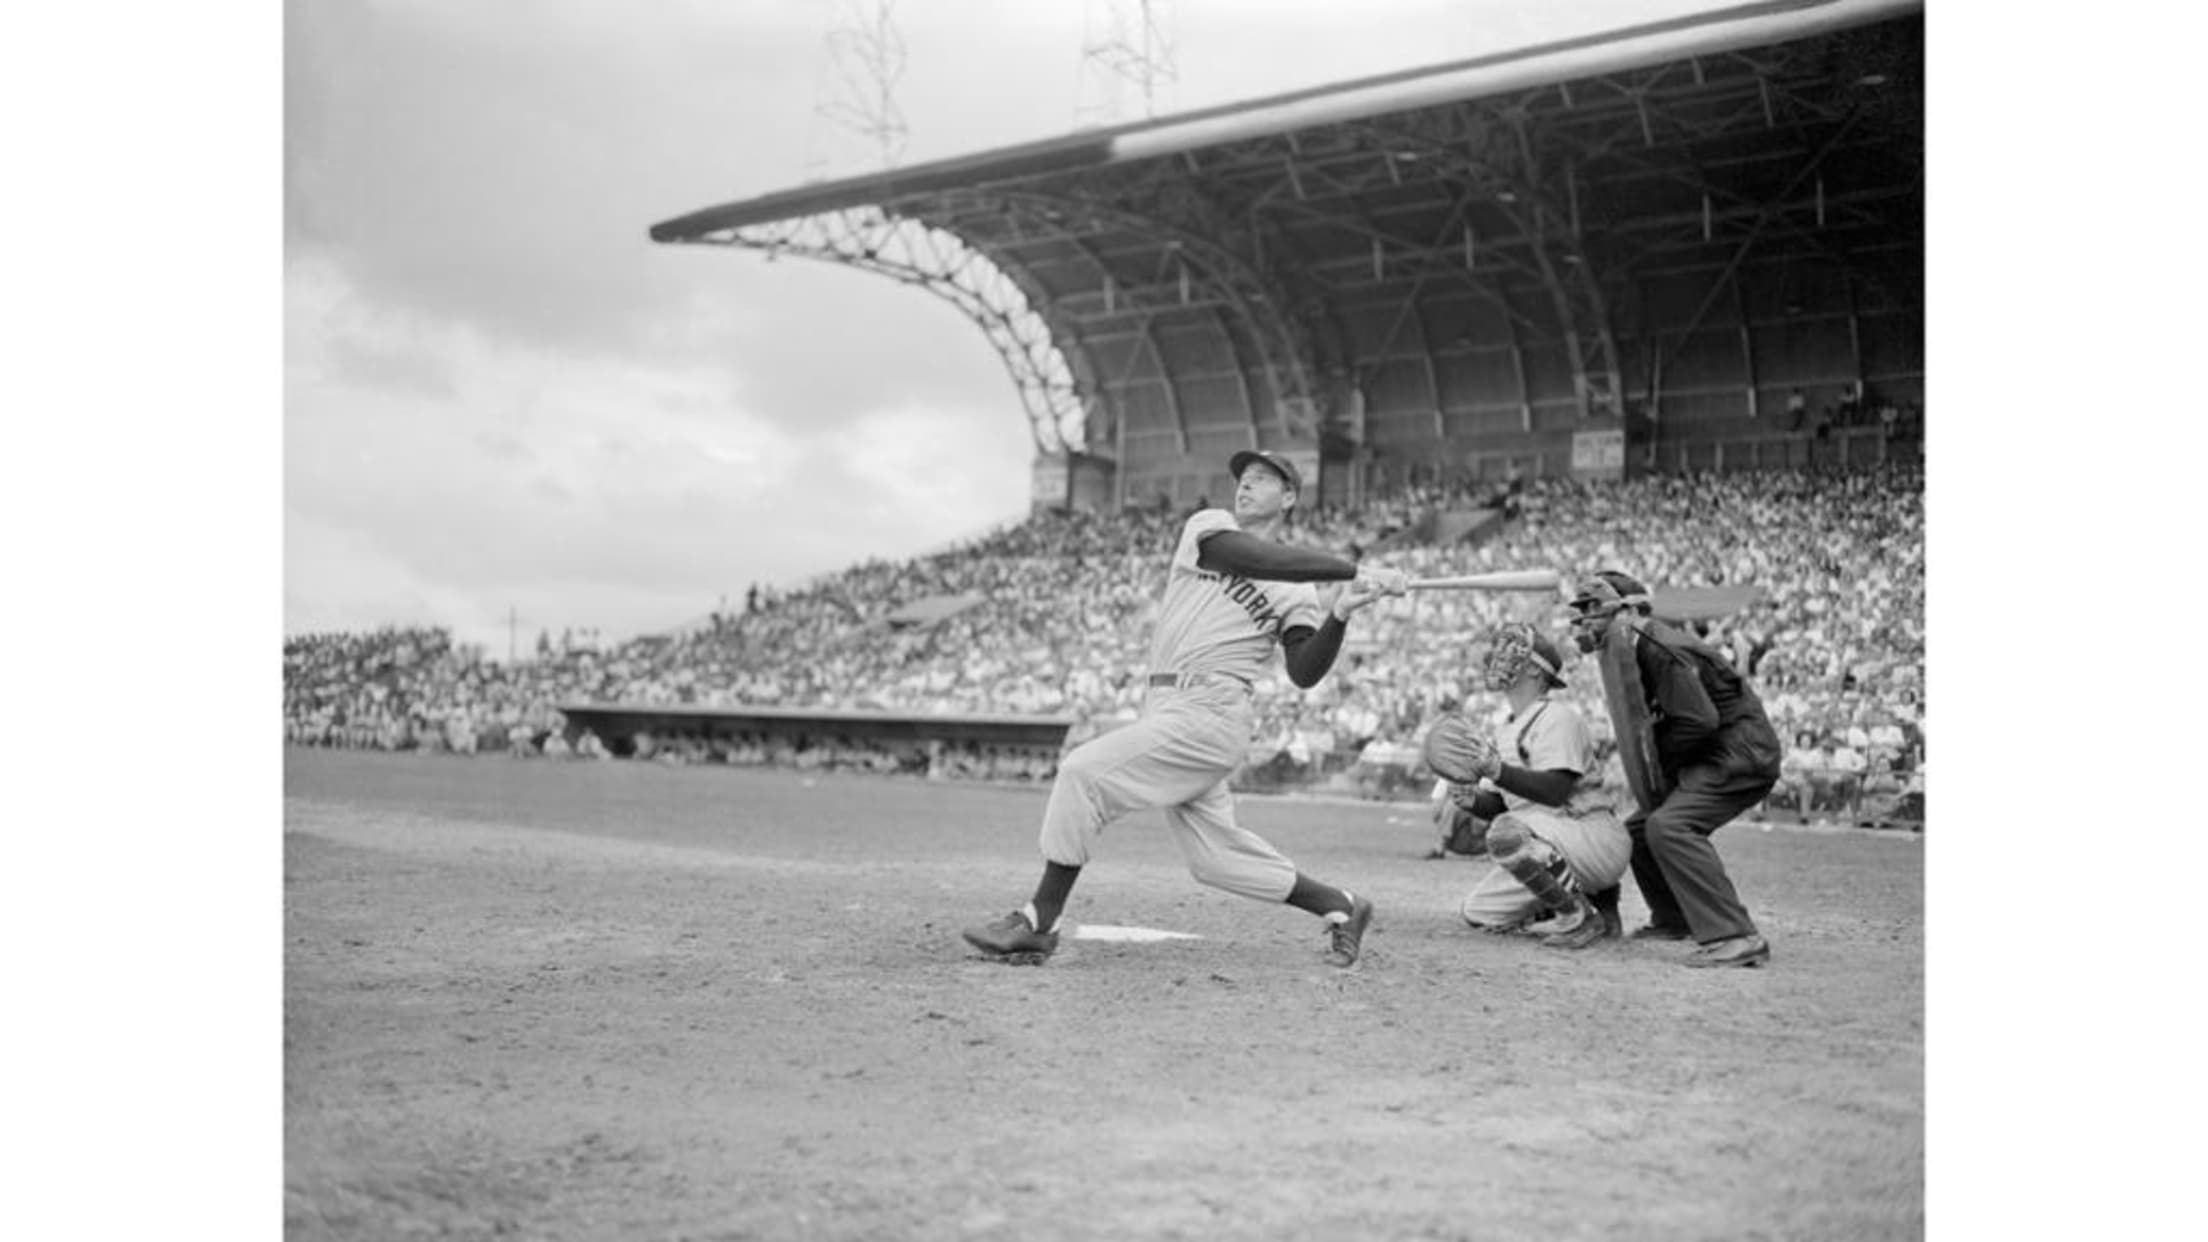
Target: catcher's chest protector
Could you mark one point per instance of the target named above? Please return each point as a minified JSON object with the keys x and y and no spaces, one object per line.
{"x":1629,"y":718}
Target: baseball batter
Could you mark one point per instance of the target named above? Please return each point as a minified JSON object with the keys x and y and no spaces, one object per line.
{"x":1552,"y":831}
{"x":1232,"y":596}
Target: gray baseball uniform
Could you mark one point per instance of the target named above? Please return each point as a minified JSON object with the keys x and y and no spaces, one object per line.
{"x":1215,"y":637}
{"x":1551,"y":734}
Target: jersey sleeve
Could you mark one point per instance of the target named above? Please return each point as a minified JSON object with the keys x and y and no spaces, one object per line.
{"x":1299,"y":605}
{"x":1200,"y":523}
{"x":1561,"y":739}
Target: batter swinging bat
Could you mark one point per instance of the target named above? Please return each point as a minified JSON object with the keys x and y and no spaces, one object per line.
{"x":1500,"y":580}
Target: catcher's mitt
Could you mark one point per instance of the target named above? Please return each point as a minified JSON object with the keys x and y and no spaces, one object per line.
{"x":1458,"y":750}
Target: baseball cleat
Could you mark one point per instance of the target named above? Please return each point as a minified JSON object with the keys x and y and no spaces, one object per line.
{"x":1657,"y":931}
{"x":1748,"y":950}
{"x":1013,"y":940}
{"x":1346,"y":939}
{"x":1523,"y":925}
{"x":1590,"y":928}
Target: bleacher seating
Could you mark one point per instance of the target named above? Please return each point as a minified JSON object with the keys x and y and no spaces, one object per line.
{"x":1063,"y":616}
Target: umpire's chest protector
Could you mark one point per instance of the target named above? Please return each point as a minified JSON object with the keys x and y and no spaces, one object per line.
{"x":1629,"y":716}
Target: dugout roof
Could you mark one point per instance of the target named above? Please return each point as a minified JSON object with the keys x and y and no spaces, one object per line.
{"x":1468,"y":241}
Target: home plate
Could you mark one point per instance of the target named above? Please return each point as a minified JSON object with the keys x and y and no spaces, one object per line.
{"x":1136,"y":935}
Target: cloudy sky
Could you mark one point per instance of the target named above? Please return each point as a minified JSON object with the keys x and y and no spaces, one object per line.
{"x":498,"y":395}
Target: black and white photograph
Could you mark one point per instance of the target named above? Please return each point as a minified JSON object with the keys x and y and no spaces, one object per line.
{"x":1138,"y":619}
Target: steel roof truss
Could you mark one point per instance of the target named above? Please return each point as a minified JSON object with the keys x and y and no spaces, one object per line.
{"x":914,"y":253}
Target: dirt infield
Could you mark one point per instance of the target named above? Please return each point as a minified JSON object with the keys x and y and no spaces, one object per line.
{"x":617,"y":1001}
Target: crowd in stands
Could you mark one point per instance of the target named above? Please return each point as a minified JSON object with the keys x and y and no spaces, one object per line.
{"x":1054,"y":619}
{"x":412,"y":689}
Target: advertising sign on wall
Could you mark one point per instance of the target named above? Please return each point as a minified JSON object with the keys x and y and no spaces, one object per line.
{"x":1598,"y":454}
{"x":1051,"y":486}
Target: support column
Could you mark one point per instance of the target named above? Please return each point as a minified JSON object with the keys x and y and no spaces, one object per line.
{"x":1747,"y":347}
{"x":1518,"y":368}
{"x":1855,"y":332}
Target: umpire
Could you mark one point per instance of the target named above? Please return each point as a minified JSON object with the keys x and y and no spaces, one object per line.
{"x":1699,"y":752}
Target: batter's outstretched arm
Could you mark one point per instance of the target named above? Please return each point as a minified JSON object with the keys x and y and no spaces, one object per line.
{"x":1310,"y":653}
{"x":1261,"y":560}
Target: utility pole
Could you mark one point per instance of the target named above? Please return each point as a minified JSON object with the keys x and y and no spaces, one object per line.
{"x":1136,"y":50}
{"x":513,"y":618}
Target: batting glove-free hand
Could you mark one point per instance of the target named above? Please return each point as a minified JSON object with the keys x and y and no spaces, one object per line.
{"x":1386,"y":581}
{"x":1460,"y":751}
{"x":1355,"y":596}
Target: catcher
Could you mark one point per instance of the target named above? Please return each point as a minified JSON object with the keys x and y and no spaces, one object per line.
{"x":1558,"y":847}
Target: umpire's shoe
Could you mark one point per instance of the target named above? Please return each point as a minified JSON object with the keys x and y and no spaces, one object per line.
{"x":1346,"y":939}
{"x":1013,"y":939}
{"x":1748,"y":950}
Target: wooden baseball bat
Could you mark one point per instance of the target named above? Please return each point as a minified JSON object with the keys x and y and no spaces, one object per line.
{"x":1499,"y":580}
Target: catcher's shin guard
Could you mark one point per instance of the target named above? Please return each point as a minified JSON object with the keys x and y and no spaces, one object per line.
{"x":1536,"y":864}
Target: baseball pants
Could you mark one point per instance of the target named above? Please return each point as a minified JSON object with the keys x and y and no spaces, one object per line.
{"x":1675,"y":865}
{"x":1176,"y":756}
{"x":1595,"y":845}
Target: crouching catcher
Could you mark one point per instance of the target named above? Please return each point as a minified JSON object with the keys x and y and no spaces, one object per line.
{"x":1558,"y":846}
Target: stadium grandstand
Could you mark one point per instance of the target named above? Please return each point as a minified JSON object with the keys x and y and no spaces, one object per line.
{"x":1649,"y":298}
{"x":1670,"y":247}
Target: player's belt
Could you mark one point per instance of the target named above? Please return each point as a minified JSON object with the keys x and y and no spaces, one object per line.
{"x":1182,"y":681}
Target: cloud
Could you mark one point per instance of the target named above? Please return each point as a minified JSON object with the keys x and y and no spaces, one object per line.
{"x":590,"y":491}
{"x":920,"y":465}
{"x":499,"y":394}
{"x":500,"y":167}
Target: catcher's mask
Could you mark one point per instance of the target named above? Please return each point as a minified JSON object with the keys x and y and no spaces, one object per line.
{"x":1598,"y":598}
{"x":1518,"y":646}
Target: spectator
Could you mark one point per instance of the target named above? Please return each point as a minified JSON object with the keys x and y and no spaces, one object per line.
{"x":1812,"y":758}
{"x":1838,"y":557}
{"x":1847,"y":767}
{"x":1882,"y":789}
{"x":1800,"y":772}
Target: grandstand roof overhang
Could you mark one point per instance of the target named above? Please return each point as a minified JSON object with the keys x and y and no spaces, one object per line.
{"x":1226,"y":277}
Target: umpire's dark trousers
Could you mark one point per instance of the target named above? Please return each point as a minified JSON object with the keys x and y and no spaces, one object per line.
{"x":1674,"y":864}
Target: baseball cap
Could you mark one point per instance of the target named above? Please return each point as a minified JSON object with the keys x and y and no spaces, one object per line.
{"x":1281,"y":465}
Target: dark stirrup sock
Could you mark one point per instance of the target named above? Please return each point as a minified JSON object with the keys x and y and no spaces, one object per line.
{"x":1319,"y":899}
{"x":1051,"y":893}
